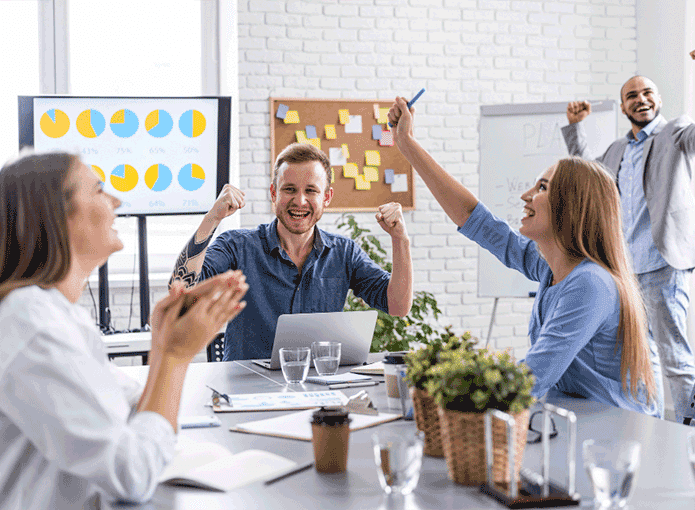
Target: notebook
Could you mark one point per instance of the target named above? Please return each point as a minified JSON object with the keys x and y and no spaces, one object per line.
{"x":354,"y":330}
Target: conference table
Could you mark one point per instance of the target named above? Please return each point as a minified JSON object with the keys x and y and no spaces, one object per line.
{"x":665,"y":480}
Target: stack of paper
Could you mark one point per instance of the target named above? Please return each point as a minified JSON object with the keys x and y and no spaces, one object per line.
{"x":371,"y":369}
{"x":337,"y":378}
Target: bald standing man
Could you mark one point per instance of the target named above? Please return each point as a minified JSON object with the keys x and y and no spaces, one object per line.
{"x":653,"y":166}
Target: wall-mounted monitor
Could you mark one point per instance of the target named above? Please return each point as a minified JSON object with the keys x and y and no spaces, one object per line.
{"x":158,"y":155}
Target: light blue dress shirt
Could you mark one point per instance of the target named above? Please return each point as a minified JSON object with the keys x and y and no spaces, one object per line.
{"x":637,"y":225}
{"x":574,"y":324}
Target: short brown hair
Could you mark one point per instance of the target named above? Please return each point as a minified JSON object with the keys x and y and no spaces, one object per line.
{"x":35,"y":201}
{"x":300,"y":153}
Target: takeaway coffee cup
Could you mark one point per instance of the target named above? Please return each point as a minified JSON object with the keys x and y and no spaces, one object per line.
{"x":330,"y":427}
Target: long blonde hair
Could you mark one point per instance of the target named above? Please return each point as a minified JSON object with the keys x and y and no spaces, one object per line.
{"x":35,"y":201}
{"x":586,"y":217}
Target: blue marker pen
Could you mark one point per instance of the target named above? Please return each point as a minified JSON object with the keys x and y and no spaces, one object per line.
{"x":412,"y":101}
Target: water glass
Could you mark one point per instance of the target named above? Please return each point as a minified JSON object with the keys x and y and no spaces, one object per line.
{"x":294,"y":362}
{"x":398,"y":459}
{"x":691,"y":451}
{"x":612,"y":468}
{"x":326,"y":357}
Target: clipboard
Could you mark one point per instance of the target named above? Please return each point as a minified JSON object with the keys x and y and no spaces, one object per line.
{"x":281,"y":401}
{"x":298,"y":425}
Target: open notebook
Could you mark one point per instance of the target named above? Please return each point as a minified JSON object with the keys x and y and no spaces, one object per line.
{"x":208,"y":466}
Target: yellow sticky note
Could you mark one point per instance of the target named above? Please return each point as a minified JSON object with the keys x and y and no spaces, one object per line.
{"x":361,"y":183}
{"x":350,"y":170}
{"x":371,"y":173}
{"x":344,"y":116}
{"x":372,"y":158}
{"x":330,"y":132}
{"x":301,"y":136}
{"x":316,"y":142}
{"x":383,"y":115}
{"x":346,"y":151}
{"x":376,"y":111}
{"x":292,"y":117}
{"x":332,"y":176}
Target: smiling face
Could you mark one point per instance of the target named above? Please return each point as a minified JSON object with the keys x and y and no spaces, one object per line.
{"x":536,"y":223}
{"x":640,"y":101}
{"x":300,"y":196}
{"x":91,"y":235}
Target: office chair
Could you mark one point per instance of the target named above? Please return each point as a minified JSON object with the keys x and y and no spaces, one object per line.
{"x":216,"y":348}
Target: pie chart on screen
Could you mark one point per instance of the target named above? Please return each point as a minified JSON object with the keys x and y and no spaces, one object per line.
{"x":90,"y":123}
{"x":55,"y":123}
{"x":99,"y":172}
{"x":159,"y":123}
{"x":158,"y":177}
{"x":192,"y":123}
{"x":191,"y":177}
{"x":124,"y":123}
{"x":124,"y":178}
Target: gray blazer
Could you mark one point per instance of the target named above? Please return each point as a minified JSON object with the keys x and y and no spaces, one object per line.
{"x":669,"y":159}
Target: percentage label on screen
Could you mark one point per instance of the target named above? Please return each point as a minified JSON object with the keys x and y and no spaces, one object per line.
{"x":189,"y":150}
{"x":156,"y":150}
{"x":90,"y":151}
{"x":122,"y":150}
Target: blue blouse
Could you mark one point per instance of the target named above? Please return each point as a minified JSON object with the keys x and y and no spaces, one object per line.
{"x":574,"y":324}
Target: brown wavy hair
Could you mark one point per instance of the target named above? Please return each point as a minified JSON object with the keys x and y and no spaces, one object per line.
{"x":586,"y":219}
{"x":35,"y":201}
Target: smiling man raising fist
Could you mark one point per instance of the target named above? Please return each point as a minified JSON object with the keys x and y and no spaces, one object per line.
{"x":291,"y":265}
{"x":652,"y":166}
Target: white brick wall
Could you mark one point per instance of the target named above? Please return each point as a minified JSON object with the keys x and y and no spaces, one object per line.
{"x":466,"y":53}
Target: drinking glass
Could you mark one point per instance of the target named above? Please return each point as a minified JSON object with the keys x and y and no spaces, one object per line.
{"x":294,"y":362}
{"x":398,"y":459}
{"x":691,"y":451}
{"x":326,"y":357}
{"x":612,"y":468}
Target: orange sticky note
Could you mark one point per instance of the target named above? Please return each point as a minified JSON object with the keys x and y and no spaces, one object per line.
{"x":361,"y":183}
{"x":350,"y":170}
{"x":292,"y":117}
{"x":344,"y":116}
{"x":372,"y":158}
{"x":330,"y":132}
{"x":371,"y":173}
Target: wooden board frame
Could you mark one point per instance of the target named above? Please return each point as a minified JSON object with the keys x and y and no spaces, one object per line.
{"x":320,"y":112}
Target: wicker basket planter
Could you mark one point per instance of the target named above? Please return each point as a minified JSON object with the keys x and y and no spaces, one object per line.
{"x":427,"y":420}
{"x":463,"y":442}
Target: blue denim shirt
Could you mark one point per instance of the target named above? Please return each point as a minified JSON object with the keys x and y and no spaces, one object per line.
{"x":637,"y":225}
{"x":335,"y":265}
{"x":574,"y":324}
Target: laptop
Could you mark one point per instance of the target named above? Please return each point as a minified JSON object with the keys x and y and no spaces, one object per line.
{"x":354,"y":330}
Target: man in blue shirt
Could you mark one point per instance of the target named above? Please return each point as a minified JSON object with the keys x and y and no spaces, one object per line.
{"x":652,"y":166}
{"x":290,"y":264}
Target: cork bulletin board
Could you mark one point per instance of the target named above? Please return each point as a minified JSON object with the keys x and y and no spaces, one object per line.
{"x":368,"y":169}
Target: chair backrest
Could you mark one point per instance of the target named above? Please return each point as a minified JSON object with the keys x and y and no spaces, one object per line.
{"x":216,"y":348}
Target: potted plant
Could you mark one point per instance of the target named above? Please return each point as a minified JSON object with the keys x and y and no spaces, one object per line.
{"x":419,"y":363}
{"x":465,"y":384}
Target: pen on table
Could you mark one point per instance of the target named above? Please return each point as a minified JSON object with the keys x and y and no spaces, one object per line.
{"x":291,"y":472}
{"x":412,"y":101}
{"x":352,"y":385}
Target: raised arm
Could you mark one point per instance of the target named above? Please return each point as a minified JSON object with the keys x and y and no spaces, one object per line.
{"x":400,"y":289}
{"x":191,"y":258}
{"x":456,"y":200}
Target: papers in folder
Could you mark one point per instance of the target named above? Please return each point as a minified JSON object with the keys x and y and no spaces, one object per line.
{"x":337,"y":378}
{"x":280,"y":401}
{"x":298,"y":425}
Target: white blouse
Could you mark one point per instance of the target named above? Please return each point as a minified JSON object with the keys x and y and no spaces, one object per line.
{"x":67,"y":426}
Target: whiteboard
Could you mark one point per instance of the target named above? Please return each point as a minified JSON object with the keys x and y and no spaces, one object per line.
{"x":517,"y":143}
